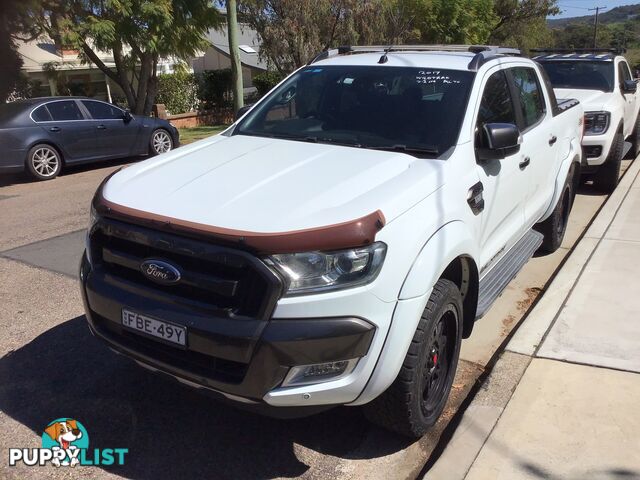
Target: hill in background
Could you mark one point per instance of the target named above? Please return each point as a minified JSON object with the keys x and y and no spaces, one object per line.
{"x":617,"y":28}
{"x":615,"y":15}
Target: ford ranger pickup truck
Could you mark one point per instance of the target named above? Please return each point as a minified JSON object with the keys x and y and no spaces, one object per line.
{"x":337,"y":242}
{"x":602,"y":81}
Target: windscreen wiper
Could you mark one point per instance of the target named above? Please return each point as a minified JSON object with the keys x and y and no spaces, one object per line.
{"x":429,"y":150}
{"x":332,"y":141}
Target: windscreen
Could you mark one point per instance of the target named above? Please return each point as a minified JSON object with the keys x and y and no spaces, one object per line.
{"x":580,"y":74}
{"x":416,"y":109}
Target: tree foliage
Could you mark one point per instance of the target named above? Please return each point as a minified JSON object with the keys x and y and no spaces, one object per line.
{"x":294,"y":31}
{"x":15,"y":24}
{"x":138,"y":33}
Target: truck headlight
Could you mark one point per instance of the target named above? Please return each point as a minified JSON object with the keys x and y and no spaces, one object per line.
{"x":596,"y":123}
{"x":313,"y":272}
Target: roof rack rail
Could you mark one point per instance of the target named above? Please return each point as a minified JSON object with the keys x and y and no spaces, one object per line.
{"x":617,"y":51}
{"x":483,"y":52}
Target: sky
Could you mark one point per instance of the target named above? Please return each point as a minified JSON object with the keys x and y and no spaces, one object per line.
{"x":580,"y":8}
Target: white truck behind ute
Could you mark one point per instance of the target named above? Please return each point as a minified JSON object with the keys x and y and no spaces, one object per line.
{"x":336,"y":244}
{"x":602,"y":81}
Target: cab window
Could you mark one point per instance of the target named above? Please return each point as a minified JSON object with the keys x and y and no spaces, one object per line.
{"x":530,"y":98}
{"x":496,"y":105}
{"x":623,"y":72}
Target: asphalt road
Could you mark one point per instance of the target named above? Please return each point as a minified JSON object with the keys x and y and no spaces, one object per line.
{"x":51,"y":367}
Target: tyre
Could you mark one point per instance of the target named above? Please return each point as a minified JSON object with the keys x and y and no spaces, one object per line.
{"x":44,"y":162}
{"x":415,"y":400}
{"x":635,"y":139}
{"x":606,"y":178}
{"x":161,"y":142}
{"x":554,"y":227}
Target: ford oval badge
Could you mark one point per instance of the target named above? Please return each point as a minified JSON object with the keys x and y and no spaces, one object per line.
{"x":160,"y":271}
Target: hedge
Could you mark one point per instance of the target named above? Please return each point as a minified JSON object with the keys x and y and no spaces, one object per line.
{"x":178,"y":92}
{"x":265,"y":81}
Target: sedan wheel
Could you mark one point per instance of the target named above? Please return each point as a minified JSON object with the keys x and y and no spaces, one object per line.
{"x":44,"y":162}
{"x":161,"y":142}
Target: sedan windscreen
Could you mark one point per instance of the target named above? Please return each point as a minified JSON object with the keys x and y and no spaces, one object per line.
{"x":418,"y":110}
{"x":580,"y":74}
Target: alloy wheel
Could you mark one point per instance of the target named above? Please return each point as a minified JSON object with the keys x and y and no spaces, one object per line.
{"x":45,"y":162}
{"x":161,"y":142}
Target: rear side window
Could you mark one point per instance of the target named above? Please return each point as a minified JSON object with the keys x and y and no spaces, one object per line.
{"x":64,"y":110}
{"x":496,"y":105}
{"x":101,"y":110}
{"x":41,"y":114}
{"x":530,"y":99}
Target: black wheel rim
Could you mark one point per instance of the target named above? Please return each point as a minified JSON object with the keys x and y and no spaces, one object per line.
{"x":439,"y":361}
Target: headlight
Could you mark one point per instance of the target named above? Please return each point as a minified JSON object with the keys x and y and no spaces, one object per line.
{"x":312,"y":272}
{"x":596,"y":123}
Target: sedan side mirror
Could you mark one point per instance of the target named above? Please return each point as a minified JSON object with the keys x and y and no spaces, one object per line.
{"x":241,"y":111}
{"x":126,"y":116}
{"x":498,"y":140}
{"x":629,"y":86}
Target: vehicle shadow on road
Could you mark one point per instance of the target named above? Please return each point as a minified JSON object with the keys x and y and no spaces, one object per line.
{"x":171,"y":431}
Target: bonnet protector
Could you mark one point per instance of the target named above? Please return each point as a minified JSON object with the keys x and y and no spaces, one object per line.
{"x":350,"y":234}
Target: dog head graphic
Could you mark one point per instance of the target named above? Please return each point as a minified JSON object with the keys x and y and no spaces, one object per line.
{"x":64,"y":432}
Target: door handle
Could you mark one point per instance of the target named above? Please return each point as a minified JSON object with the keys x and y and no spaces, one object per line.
{"x":101,"y":127}
{"x":54,"y":129}
{"x":525,"y":163}
{"x":553,"y":140}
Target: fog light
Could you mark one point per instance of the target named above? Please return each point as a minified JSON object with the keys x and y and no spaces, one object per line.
{"x":319,"y":372}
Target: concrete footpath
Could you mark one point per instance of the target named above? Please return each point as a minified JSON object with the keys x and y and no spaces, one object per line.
{"x":563,"y":400}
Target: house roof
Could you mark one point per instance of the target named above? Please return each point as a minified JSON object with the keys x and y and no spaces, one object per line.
{"x":247,"y":40}
{"x":36,"y":53}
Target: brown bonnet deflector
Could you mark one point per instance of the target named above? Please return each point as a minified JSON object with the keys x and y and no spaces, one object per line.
{"x":354,"y":233}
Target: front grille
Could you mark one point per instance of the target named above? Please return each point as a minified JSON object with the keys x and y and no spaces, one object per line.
{"x":194,"y":362}
{"x":229,"y":281}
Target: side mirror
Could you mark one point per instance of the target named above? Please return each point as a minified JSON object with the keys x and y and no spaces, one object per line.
{"x":241,"y":111}
{"x":126,"y":116}
{"x":498,"y":140}
{"x":629,"y":86}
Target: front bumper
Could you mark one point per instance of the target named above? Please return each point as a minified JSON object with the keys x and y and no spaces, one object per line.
{"x":244,"y":362}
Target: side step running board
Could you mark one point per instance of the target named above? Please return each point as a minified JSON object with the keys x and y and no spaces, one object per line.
{"x":494,"y":282}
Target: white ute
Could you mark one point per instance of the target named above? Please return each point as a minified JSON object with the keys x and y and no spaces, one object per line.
{"x":336,"y":244}
{"x":602,"y":81}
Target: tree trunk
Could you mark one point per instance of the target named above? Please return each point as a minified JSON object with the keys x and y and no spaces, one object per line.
{"x":236,"y":65}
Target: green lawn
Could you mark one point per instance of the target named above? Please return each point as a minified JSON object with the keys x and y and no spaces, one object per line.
{"x":188,"y":135}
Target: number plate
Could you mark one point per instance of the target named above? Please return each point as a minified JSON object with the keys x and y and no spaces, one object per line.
{"x":156,"y":328}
